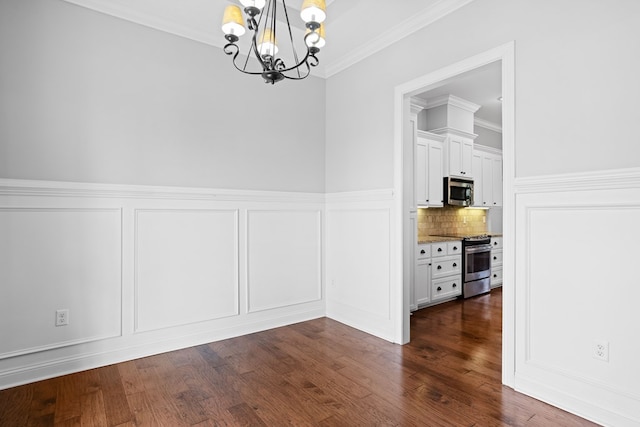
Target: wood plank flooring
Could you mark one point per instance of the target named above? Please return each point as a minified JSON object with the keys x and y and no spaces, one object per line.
{"x":316,"y":373}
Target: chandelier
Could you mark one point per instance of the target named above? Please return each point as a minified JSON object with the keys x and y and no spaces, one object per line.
{"x":265,"y":56}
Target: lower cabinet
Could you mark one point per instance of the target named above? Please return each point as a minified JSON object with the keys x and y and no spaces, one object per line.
{"x":438,"y":273}
{"x":496,"y":261}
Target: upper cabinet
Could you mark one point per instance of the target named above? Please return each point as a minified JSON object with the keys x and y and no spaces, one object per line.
{"x":487,"y":173}
{"x":429,"y":169}
{"x":452,"y":118}
{"x":460,"y":156}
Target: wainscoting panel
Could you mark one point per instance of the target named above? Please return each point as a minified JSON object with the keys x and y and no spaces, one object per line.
{"x":58,"y":259}
{"x":144,"y":270}
{"x":576,"y":286}
{"x":186,"y":264}
{"x":283,"y":259}
{"x":359,"y":261}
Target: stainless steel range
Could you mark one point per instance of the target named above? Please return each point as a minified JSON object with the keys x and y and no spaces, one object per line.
{"x":476,"y":265}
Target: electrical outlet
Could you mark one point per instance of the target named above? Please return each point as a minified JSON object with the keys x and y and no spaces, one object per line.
{"x":62,"y":317}
{"x":601,"y":350}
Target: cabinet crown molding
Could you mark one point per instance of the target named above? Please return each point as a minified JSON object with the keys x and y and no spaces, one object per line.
{"x":455,"y":132}
{"x":454,"y":101}
{"x":430,"y":135}
{"x":487,"y":125}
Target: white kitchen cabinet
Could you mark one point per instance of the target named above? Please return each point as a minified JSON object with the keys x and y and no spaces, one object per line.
{"x":487,"y":172}
{"x":478,"y":194}
{"x":429,"y":171}
{"x":460,"y":156}
{"x":438,"y":272}
{"x":496,"y":261}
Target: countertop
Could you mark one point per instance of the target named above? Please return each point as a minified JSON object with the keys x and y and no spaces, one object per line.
{"x":437,"y":239}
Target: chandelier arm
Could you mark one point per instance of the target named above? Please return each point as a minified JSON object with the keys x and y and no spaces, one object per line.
{"x":254,"y":47}
{"x":229,"y":50}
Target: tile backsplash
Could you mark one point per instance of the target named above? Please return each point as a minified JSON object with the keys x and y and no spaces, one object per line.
{"x":451,"y":220}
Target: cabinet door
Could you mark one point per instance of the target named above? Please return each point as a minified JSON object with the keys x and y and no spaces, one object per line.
{"x":466,"y":158}
{"x":478,"y":194}
{"x":455,"y":157}
{"x":497,"y":181}
{"x":487,"y":181}
{"x":422,"y":287}
{"x":421,"y":174}
{"x":434,"y":174}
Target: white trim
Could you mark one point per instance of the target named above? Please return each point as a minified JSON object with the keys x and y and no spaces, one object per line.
{"x":360,"y":196}
{"x":397,"y":32}
{"x":485,"y":149}
{"x":580,"y":181}
{"x":453,"y":100}
{"x":430,"y":135}
{"x":129,"y":14}
{"x":505,"y":54}
{"x":486,"y":124}
{"x":455,"y":132}
{"x":18,"y":187}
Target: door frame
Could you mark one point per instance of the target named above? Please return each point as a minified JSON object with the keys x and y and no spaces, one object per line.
{"x":506,"y":54}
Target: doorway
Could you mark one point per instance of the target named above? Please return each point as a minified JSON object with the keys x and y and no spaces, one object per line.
{"x":403,"y":151}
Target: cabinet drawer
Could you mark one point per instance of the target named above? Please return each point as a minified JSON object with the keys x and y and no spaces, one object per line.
{"x":446,"y":266}
{"x":496,"y":258}
{"x":496,"y":276}
{"x":439,"y":249}
{"x":454,"y":248}
{"x":423,"y":251}
{"x":445,"y":288}
{"x":496,"y":242}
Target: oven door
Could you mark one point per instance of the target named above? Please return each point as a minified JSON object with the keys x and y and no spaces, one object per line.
{"x":477,"y":262}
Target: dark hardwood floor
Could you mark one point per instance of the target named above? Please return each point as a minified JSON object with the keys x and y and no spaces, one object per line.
{"x":318,"y":373}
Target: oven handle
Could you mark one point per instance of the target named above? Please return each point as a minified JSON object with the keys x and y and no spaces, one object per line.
{"x":476,"y":249}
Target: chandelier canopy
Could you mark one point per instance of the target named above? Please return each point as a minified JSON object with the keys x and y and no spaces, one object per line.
{"x":264,"y":54}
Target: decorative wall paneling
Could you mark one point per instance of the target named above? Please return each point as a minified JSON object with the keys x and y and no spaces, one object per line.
{"x":144,"y":270}
{"x":360,"y":260}
{"x":576,"y":285}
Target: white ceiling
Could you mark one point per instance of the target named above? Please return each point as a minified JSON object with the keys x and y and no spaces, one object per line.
{"x":482,"y":86}
{"x":354,"y":28}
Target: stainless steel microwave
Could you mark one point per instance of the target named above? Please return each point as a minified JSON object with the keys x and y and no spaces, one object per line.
{"x":458,"y":191}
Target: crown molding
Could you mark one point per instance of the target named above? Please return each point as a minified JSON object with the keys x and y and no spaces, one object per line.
{"x":417,"y":105}
{"x":580,"y":181}
{"x":397,"y":32}
{"x":454,"y":132}
{"x":129,"y":14}
{"x":487,"y":149}
{"x":463,"y":104}
{"x":487,"y":125}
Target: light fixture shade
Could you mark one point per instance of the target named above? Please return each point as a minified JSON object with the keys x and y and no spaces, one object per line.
{"x":313,"y":11}
{"x":232,"y":21}
{"x":253,"y":3}
{"x":318,"y":40}
{"x":267,"y":44}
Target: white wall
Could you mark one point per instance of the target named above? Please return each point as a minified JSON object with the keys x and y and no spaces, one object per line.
{"x":576,"y":87}
{"x":87,"y":97}
{"x":576,"y":90}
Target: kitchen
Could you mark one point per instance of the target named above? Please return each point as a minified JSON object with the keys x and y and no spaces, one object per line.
{"x":455,"y":206}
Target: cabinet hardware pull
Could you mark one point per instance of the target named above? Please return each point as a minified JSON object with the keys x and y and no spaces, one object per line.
{"x":439,"y":288}
{"x":422,"y":251}
{"x":454,"y":286}
{"x":439,"y":249}
{"x":455,"y":265}
{"x":455,"y":248}
{"x":439,"y":267}
{"x":495,"y":275}
{"x":495,"y":257}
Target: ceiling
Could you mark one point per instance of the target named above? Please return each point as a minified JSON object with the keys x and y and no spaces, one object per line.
{"x":482,"y":86}
{"x":354,"y":29}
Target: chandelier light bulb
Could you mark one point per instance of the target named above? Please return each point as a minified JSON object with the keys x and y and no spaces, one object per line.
{"x":232,"y":23}
{"x":267,"y":45}
{"x":313,"y":11}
